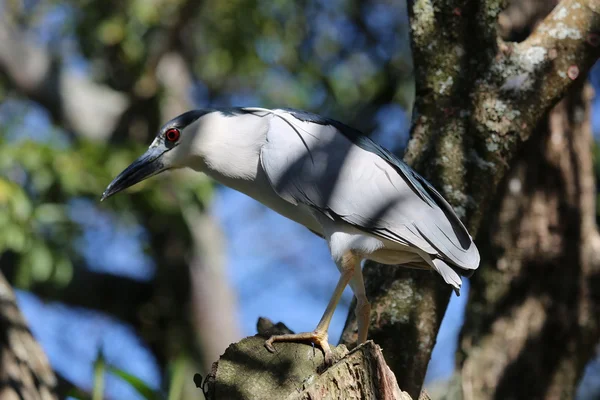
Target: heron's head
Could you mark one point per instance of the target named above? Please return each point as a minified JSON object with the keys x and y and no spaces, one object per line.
{"x":172,"y":148}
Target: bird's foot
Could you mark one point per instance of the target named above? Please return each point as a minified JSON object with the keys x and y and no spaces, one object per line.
{"x":317,"y":337}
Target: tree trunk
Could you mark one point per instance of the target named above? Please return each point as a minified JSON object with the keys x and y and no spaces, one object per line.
{"x":24,"y":369}
{"x":533,"y":317}
{"x":478,"y":99}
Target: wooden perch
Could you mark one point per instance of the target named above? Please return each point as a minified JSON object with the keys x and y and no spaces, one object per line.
{"x":296,"y":371}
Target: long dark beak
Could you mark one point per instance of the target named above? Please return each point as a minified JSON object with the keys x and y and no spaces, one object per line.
{"x":147,"y":165}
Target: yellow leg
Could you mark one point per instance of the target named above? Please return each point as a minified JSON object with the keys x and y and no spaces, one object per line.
{"x":319,"y":336}
{"x":363,"y":307}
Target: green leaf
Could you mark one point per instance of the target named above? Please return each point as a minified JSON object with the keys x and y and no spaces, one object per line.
{"x":77,"y":393}
{"x":63,"y":271}
{"x":49,"y":213}
{"x":41,"y":262}
{"x":99,"y":368}
{"x":42,"y":180}
{"x":13,"y":236}
{"x":21,"y":205}
{"x":112,"y":31}
{"x":140,"y":386}
{"x":177,"y":378}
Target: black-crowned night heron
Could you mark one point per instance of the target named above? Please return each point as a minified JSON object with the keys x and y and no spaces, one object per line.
{"x":362,"y":199}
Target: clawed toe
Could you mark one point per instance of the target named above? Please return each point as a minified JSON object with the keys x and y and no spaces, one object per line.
{"x":316,"y":337}
{"x":328,"y":355}
{"x":269,"y":345}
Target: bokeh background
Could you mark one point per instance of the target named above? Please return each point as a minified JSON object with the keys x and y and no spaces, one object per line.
{"x":159,"y":280}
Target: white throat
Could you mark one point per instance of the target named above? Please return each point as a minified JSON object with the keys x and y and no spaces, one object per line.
{"x":227,"y":147}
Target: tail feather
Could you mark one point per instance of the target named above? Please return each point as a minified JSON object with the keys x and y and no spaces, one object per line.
{"x":448,"y":273}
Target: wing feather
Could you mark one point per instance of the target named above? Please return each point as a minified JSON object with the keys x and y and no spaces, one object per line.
{"x":344,"y":175}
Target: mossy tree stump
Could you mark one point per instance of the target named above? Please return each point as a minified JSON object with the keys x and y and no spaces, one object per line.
{"x":296,"y":371}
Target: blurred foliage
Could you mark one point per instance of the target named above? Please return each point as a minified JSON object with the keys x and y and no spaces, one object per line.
{"x":140,"y":387}
{"x":39,"y":180}
{"x":335,"y":57}
{"x":175,"y":379}
{"x":99,"y":371}
{"x":348,"y":59}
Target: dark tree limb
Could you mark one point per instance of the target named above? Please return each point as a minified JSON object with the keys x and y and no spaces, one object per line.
{"x":97,"y":291}
{"x":477,"y":100}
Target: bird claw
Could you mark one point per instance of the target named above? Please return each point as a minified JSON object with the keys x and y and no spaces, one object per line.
{"x":328,"y":356}
{"x":318,"y":339}
{"x":269,"y":345}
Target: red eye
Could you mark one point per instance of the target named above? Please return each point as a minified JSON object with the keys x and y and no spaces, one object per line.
{"x":172,"y":135}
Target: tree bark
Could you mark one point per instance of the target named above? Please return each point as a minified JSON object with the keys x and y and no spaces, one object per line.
{"x":295,"y":372}
{"x":24,"y":369}
{"x":477,"y":100}
{"x":533,"y":318}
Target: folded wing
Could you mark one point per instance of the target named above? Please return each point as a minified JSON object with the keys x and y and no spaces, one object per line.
{"x":334,"y":169}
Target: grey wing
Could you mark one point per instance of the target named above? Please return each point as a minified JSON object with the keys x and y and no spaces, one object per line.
{"x":315,"y":164}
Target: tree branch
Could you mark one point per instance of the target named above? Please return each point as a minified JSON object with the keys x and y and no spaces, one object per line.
{"x":118,"y":296}
{"x":566,"y":44}
{"x":519,"y":86}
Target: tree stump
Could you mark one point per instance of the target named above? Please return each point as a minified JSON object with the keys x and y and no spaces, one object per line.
{"x":296,"y":371}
